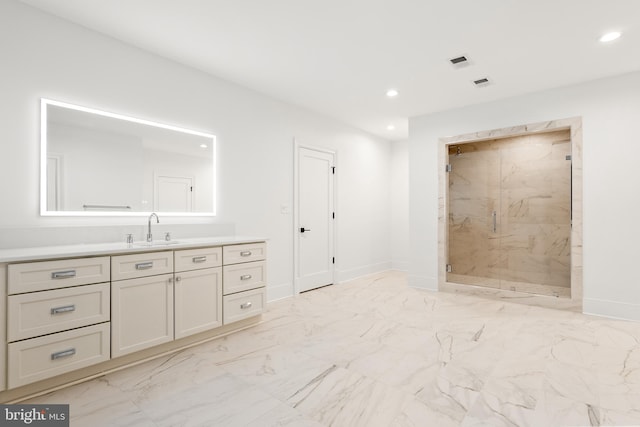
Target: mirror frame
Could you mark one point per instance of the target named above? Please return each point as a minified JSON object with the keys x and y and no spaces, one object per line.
{"x":44,"y":103}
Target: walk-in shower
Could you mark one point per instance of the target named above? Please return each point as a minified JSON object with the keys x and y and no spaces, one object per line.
{"x":507,"y":212}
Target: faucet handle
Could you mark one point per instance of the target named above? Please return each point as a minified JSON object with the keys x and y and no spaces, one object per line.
{"x":167,"y":236}
{"x":129,"y":238}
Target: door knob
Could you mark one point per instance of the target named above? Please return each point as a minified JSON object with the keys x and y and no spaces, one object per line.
{"x":302,"y":229}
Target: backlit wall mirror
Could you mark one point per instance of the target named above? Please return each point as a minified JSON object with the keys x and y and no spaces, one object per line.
{"x":95,"y":163}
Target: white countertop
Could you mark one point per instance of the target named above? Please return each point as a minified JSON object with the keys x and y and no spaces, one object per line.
{"x":93,"y":249}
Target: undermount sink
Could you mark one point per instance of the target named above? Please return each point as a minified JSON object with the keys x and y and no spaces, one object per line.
{"x":157,"y":243}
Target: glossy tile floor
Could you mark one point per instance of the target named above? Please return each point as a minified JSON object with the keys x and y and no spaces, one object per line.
{"x":373,"y":352}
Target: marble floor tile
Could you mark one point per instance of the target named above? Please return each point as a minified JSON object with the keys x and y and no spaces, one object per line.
{"x":282,"y":416}
{"x":374,"y":352}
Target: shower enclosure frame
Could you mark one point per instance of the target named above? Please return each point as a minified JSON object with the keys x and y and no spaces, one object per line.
{"x":574,"y":125}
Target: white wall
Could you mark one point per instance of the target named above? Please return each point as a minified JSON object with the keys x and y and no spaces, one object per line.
{"x":43,"y":56}
{"x":610,"y":109}
{"x":399,"y":202}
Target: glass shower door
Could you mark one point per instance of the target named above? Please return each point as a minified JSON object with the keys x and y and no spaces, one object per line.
{"x":473,"y":198}
{"x":536,"y":215}
{"x":509,"y":214}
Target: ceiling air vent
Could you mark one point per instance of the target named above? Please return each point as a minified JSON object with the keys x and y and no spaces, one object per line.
{"x":481,"y":82}
{"x":459,"y":61}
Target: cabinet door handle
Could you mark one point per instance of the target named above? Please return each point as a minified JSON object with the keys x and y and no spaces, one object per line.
{"x":61,"y":354}
{"x":245,"y":253}
{"x":198,"y":259}
{"x":246,"y":277}
{"x":494,"y":215}
{"x":144,"y":265}
{"x":246,"y":305}
{"x":63,"y":274}
{"x":63,"y":309}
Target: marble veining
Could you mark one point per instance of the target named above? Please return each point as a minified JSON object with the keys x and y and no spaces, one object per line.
{"x":374,"y":352}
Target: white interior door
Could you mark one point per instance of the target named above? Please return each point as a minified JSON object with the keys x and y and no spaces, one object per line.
{"x":173,"y":194}
{"x":315,"y":227}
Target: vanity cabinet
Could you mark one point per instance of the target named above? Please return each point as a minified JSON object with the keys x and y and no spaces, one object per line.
{"x":244,"y":280}
{"x":83,"y":313}
{"x":58,"y":315}
{"x":151,"y":308}
{"x":3,"y":327}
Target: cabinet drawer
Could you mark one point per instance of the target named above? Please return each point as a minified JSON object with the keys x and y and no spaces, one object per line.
{"x":46,"y":312}
{"x":242,"y":277}
{"x":141,"y":265}
{"x":243,"y":305}
{"x":235,"y":254}
{"x":45,"y":275}
{"x":196,"y":259}
{"x":39,"y":358}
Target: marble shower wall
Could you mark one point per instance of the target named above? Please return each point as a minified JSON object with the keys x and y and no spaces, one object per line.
{"x":526,"y":181}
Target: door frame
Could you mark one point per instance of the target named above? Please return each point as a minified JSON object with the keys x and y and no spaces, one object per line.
{"x":57,"y":186}
{"x":296,"y":209}
{"x":574,"y":125}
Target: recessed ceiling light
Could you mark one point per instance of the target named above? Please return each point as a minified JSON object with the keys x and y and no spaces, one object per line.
{"x":391,"y":127}
{"x":609,"y":37}
{"x":203,"y":145}
{"x":392,"y":93}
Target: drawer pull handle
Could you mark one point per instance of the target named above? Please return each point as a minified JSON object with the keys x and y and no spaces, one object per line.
{"x":198,"y":259}
{"x":63,"y":274}
{"x":245,"y":253}
{"x":61,"y":354}
{"x":64,"y":309}
{"x":246,"y":305}
{"x":245,"y":277}
{"x":144,"y":265}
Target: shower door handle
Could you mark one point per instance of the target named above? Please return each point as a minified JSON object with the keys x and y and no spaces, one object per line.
{"x":495,"y":218}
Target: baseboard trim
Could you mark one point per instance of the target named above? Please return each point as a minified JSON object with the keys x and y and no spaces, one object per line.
{"x":345,"y":275}
{"x":420,"y":282}
{"x":400,"y":266}
{"x":611,"y":309}
{"x":278,"y":292}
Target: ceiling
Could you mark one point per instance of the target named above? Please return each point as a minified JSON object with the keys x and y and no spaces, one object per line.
{"x":339,"y":57}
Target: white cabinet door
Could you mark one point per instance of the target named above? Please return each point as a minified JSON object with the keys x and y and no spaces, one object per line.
{"x":141,"y":313}
{"x":198,"y":301}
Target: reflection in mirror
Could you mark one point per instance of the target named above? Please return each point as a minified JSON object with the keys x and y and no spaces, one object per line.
{"x":106,"y":164}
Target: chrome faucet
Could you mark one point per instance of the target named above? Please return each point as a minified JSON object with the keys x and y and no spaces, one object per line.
{"x":149,"y":235}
